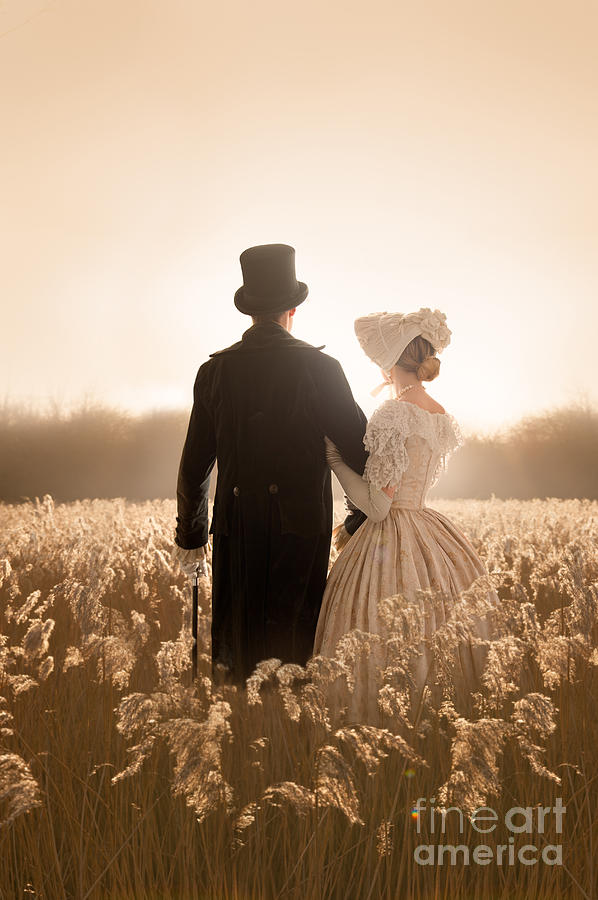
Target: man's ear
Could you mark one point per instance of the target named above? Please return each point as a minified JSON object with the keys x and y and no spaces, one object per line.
{"x":292,"y":311}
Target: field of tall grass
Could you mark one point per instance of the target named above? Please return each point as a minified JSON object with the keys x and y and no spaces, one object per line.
{"x":121,"y":778}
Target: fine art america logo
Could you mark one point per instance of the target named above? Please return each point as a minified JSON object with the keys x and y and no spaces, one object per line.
{"x":517,"y":821}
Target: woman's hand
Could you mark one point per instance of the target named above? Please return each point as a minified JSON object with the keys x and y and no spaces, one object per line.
{"x":390,"y":490}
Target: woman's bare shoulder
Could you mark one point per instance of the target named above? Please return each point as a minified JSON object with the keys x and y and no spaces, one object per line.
{"x":429,"y":404}
{"x":434,"y":407}
{"x":387,"y":412}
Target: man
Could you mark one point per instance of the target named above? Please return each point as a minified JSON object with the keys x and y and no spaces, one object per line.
{"x":261,"y":408}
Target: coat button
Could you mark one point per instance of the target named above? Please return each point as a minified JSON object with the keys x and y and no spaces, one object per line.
{"x":273,"y":488}
{"x":236,"y":491}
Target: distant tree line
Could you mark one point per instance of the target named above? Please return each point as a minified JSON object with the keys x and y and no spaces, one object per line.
{"x":552,"y":454}
{"x":98,"y":451}
{"x":95,"y":451}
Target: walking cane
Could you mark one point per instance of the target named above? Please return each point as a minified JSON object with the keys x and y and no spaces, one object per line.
{"x":194,"y":623}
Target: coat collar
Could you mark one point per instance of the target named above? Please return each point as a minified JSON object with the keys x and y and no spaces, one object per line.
{"x":266,"y":335}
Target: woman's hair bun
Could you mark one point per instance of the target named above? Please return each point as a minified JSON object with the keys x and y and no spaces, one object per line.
{"x":419,"y":357}
{"x":428,"y":369}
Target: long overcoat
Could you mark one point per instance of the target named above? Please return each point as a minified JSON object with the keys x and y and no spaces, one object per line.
{"x":261,"y":409}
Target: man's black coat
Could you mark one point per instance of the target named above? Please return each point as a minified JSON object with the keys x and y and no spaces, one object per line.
{"x":261,"y":409}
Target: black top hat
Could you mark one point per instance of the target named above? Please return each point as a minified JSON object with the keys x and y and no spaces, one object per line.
{"x":269,"y":281}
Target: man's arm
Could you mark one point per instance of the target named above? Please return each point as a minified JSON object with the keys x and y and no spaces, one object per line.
{"x":341,"y":419}
{"x":193,"y":482}
{"x":341,"y":415}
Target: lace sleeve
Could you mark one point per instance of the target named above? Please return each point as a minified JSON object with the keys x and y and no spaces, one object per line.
{"x":450,"y":440}
{"x":385,"y":442}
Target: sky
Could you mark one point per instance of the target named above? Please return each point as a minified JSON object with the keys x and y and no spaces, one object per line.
{"x":428,"y":154}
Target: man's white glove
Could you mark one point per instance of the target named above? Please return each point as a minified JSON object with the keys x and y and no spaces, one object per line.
{"x":191,"y":561}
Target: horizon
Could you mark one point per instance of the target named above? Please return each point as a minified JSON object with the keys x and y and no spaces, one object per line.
{"x":89,"y":404}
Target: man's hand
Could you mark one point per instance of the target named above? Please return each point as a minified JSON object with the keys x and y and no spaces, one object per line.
{"x":191,"y":561}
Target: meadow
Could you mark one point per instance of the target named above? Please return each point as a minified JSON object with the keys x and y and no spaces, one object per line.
{"x":121,"y":778}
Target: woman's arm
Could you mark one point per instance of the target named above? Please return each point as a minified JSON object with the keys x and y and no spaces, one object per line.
{"x":374,"y":503}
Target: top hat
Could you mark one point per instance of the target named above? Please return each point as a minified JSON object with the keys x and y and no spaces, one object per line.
{"x":269,"y":281}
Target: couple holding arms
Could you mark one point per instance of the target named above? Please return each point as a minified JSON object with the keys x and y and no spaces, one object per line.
{"x":278,"y":415}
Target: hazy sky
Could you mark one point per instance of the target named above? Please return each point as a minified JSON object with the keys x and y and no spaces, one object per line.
{"x":415,"y":154}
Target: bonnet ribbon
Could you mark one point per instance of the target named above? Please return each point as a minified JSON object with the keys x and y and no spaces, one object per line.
{"x":380,"y":387}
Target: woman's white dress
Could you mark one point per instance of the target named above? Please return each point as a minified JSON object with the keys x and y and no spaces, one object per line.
{"x":414,"y":549}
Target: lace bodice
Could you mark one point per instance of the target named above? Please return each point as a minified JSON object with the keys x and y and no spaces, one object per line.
{"x":409,"y":447}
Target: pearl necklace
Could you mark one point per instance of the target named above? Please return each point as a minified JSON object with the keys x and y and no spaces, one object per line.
{"x":408,"y":388}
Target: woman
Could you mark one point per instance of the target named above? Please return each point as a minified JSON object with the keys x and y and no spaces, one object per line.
{"x":404,"y":547}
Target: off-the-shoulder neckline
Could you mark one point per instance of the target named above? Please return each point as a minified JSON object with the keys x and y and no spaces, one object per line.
{"x":410,"y":403}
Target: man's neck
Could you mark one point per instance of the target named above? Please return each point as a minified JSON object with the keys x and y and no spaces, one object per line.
{"x":269,"y":322}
